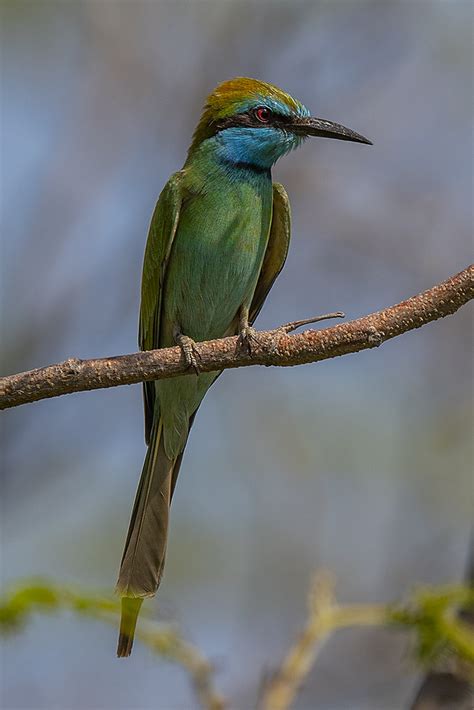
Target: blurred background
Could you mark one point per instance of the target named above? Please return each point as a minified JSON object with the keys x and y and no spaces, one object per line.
{"x":368,"y":456}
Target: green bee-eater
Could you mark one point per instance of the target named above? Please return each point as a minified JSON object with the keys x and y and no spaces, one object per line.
{"x":218,"y":239}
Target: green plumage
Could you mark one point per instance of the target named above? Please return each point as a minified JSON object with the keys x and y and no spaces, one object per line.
{"x":209,"y":238}
{"x":218,"y":238}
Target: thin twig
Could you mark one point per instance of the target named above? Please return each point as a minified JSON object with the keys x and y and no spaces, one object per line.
{"x":274,"y":347}
{"x":325,"y":616}
{"x":430,"y":613}
{"x":189,"y":657}
{"x":449,"y":678}
{"x":163,"y":640}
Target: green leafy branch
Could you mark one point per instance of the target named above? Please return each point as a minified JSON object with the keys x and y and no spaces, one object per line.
{"x":45,"y":597}
{"x":432,"y":614}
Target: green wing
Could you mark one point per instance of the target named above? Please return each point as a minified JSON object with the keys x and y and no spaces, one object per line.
{"x":158,"y":247}
{"x":277,"y":249}
{"x":162,"y":231}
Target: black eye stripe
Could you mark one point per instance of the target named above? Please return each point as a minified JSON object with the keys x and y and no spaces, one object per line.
{"x":250,"y":120}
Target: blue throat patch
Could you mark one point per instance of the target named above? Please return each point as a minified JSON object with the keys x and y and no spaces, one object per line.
{"x":256,"y":147}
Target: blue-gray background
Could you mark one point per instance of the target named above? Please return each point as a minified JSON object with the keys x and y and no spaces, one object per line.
{"x":361,"y":465}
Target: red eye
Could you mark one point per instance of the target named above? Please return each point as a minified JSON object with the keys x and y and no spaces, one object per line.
{"x":263,"y":114}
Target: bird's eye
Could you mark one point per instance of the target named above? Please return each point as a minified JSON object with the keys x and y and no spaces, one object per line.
{"x":263,"y":114}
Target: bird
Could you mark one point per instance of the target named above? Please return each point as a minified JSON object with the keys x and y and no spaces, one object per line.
{"x":218,"y":239}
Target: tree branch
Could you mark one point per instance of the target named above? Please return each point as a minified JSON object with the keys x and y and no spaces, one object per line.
{"x":275,"y":347}
{"x":429,"y":613}
{"x":447,"y":681}
{"x":19,"y":603}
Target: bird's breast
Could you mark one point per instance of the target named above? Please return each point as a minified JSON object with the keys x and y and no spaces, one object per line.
{"x":217,"y":256}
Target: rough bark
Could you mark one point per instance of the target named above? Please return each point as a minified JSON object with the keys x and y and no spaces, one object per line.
{"x":276,"y":347}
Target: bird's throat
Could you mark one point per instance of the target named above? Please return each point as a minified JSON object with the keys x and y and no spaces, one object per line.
{"x":252,"y":149}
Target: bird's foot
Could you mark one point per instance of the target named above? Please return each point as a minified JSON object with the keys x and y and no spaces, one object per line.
{"x":248,"y":338}
{"x":290,"y":327}
{"x":190,"y":351}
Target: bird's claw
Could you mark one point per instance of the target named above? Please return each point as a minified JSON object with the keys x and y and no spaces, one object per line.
{"x":190,"y":351}
{"x":248,"y":339}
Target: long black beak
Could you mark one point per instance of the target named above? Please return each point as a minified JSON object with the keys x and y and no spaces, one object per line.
{"x":326,"y":129}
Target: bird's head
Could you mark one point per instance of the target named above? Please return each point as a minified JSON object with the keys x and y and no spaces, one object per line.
{"x":254,"y":123}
